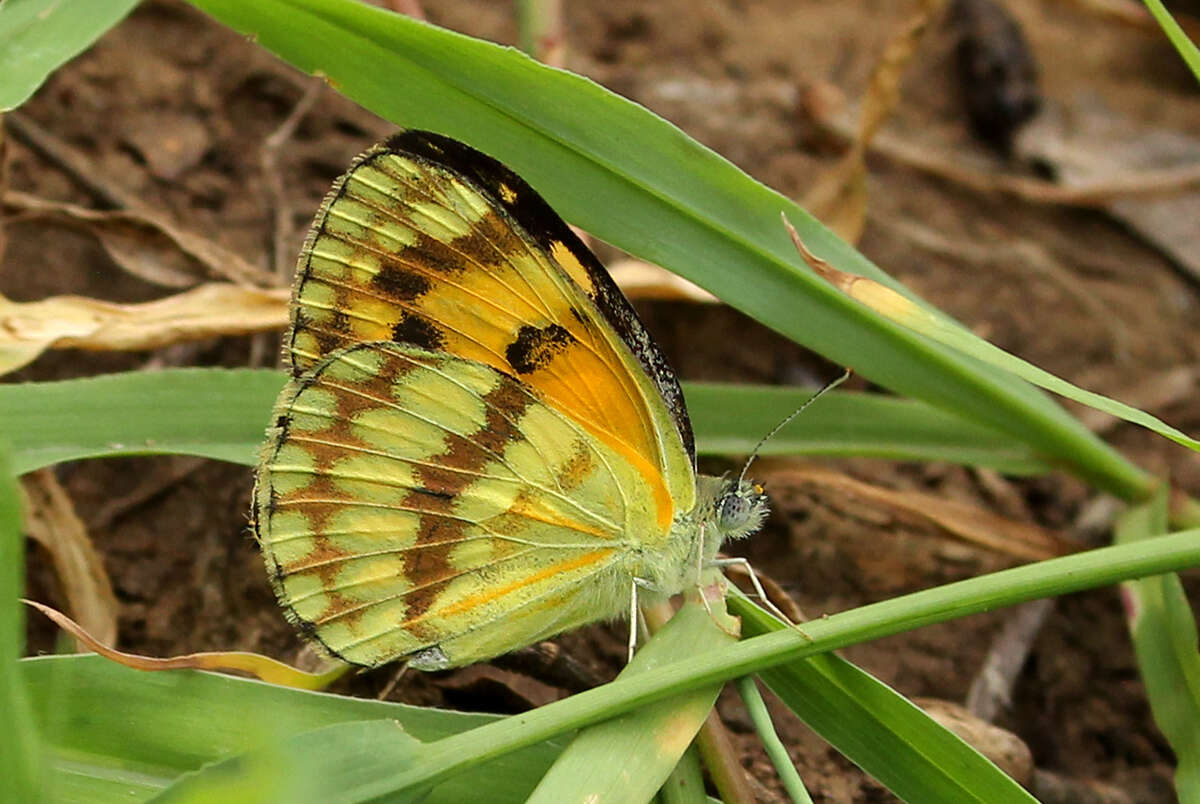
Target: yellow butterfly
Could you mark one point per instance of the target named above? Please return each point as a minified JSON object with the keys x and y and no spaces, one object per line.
{"x":480,"y":446}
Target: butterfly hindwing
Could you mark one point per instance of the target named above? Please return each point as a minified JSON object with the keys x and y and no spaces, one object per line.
{"x":412,"y":500}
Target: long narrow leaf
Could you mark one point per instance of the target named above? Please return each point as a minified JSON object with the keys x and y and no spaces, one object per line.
{"x":1187,"y":49}
{"x":213,"y":413}
{"x":222,"y":414}
{"x":20,"y":743}
{"x":637,"y":181}
{"x":917,"y":758}
{"x":1164,"y":639}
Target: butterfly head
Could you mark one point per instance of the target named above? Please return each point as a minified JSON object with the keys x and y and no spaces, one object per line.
{"x":740,"y":509}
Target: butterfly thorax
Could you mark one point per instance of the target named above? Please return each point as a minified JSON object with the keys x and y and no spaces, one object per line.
{"x":726,"y":508}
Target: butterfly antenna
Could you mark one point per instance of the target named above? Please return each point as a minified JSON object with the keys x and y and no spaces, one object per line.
{"x":829,"y":386}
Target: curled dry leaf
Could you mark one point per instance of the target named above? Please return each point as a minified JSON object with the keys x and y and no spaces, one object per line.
{"x":29,"y":328}
{"x":262,"y":667}
{"x":972,"y":525}
{"x":643,"y":280}
{"x":146,"y":244}
{"x":991,"y":690}
{"x":51,"y":521}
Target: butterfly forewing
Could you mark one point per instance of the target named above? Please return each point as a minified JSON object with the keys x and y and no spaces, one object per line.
{"x":408,"y":250}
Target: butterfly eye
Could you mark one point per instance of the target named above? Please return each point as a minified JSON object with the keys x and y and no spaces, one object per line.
{"x":732,"y":512}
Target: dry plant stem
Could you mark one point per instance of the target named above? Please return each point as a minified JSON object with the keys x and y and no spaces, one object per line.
{"x":970,"y":524}
{"x":1093,"y":195}
{"x":839,"y":197}
{"x":70,"y":161}
{"x":27,"y":329}
{"x":550,"y":664}
{"x":215,"y":258}
{"x":390,"y":686}
{"x":261,"y":667}
{"x":721,"y":759}
{"x":991,"y":690}
{"x":282,"y":257}
{"x":146,"y":491}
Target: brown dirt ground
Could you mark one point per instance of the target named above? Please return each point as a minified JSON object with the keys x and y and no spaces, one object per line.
{"x":175,"y":109}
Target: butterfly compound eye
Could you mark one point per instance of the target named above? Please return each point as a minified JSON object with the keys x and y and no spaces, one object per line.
{"x":732,"y":513}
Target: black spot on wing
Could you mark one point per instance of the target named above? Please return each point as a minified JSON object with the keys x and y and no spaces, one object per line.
{"x":418,"y":331}
{"x":400,"y":283}
{"x":535,"y":347}
{"x":542,"y":223}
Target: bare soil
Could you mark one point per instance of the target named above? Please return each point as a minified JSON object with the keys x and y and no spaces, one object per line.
{"x":175,"y":109}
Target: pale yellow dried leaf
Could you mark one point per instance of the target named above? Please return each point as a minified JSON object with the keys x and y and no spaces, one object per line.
{"x":60,"y":322}
{"x":239,"y":661}
{"x":642,"y":280}
{"x":51,"y":521}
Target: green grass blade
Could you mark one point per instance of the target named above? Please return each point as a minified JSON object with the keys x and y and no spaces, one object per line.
{"x":686,"y":783}
{"x":1164,"y":640}
{"x":298,"y":768}
{"x":948,"y":332}
{"x":630,"y":757}
{"x":154,"y":723}
{"x":730,"y":420}
{"x":39,"y":36}
{"x":1187,"y":49}
{"x":629,"y":177}
{"x":114,"y":730}
{"x":213,"y":413}
{"x":756,"y":707}
{"x":20,"y":743}
{"x":222,"y":414}
{"x":878,"y":729}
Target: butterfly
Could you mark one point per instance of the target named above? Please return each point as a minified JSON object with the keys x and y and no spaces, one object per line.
{"x":479,"y":446}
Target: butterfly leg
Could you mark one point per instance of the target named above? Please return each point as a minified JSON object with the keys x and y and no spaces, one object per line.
{"x":758,"y":590}
{"x":636,"y":623}
{"x":700,"y":570}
